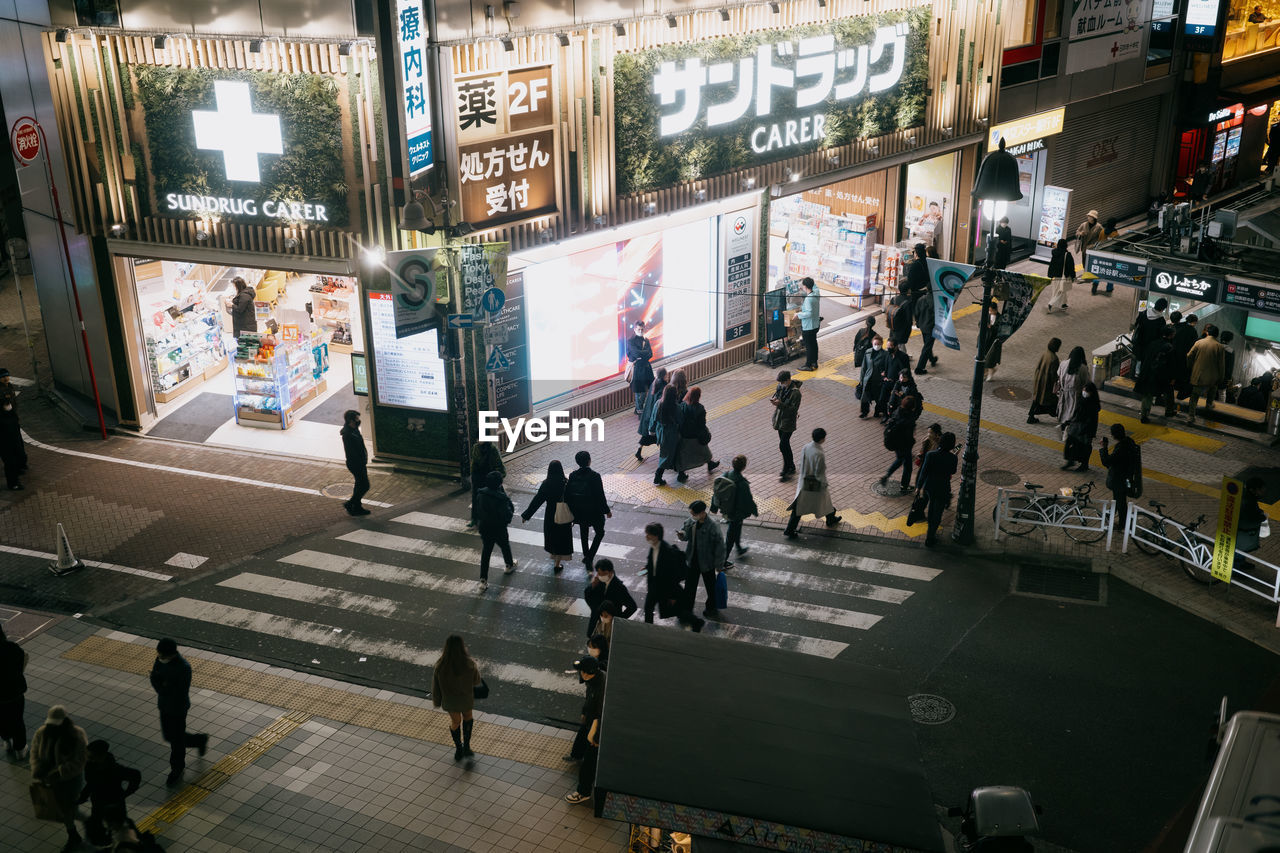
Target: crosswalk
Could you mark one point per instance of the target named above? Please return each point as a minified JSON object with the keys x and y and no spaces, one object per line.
{"x":383,"y":596}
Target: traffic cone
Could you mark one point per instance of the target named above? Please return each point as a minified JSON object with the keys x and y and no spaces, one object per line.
{"x":67,"y":562}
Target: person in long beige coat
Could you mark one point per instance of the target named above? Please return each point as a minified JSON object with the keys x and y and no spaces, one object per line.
{"x":816,"y":498}
{"x":1207,"y":361}
{"x":1043,"y":381}
{"x":59,"y":750}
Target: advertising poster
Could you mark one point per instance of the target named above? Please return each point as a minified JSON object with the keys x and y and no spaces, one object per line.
{"x":739,"y":247}
{"x":1053,"y":216}
{"x":480,"y":267}
{"x":409,"y":370}
{"x":411,"y":37}
{"x":413,"y":288}
{"x":1104,"y":32}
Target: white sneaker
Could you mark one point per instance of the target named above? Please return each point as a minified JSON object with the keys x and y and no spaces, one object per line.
{"x":509,"y":569}
{"x":484,"y":586}
{"x":24,"y":753}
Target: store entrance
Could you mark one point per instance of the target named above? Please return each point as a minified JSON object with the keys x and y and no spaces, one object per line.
{"x":1024,"y":214}
{"x":282,"y":388}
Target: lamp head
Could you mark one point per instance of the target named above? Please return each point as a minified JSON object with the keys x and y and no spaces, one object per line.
{"x":998,"y":177}
{"x":414,"y":218}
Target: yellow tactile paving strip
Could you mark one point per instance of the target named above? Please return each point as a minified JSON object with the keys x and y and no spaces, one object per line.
{"x":316,"y":700}
{"x":213,"y":778}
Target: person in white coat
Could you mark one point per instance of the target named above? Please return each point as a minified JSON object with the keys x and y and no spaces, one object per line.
{"x":812,"y":495}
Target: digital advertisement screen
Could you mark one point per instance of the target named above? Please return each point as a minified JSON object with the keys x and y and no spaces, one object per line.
{"x":580,"y":308}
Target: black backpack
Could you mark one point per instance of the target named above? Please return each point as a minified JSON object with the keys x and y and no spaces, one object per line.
{"x":575,"y":492}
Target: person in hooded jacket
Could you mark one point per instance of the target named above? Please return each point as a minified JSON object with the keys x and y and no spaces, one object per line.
{"x":557,"y":539}
{"x":240,"y":307}
{"x":485,"y":457}
{"x":900,"y":323}
{"x":493,"y":513}
{"x":904,"y":386}
{"x":1146,"y":328}
{"x":1044,"y":399}
{"x":59,"y":750}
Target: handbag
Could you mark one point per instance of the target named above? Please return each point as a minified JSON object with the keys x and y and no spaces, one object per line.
{"x":629,"y":372}
{"x":45,"y":802}
{"x":722,"y":591}
{"x":918,"y":506}
{"x":563,"y":514}
{"x":705,"y":436}
{"x":481,"y":690}
{"x":1265,"y":530}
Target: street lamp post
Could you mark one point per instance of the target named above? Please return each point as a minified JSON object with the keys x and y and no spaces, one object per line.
{"x":997,"y":181}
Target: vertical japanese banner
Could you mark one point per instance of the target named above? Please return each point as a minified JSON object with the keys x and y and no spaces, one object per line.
{"x":411,"y":37}
{"x":1224,"y":540}
{"x":1022,"y":290}
{"x":739,"y":241}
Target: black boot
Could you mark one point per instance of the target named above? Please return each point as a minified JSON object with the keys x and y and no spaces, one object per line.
{"x":458,"y":750}
{"x":467,"y":726}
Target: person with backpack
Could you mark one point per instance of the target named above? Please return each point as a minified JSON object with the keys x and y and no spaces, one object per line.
{"x":900,"y":437}
{"x":1124,"y":470}
{"x":484,"y":458}
{"x":895,"y":361}
{"x":1156,"y":375}
{"x":557,"y":535}
{"x":813,"y":495}
{"x":862,"y":340}
{"x":107,"y":784}
{"x":786,"y":408}
{"x":494,"y":512}
{"x":924,"y":317}
{"x":936,"y":471}
{"x":731,"y":496}
{"x":607,"y":586}
{"x":585,"y":495}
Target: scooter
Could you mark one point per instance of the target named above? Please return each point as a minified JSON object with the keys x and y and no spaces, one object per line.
{"x":997,"y":819}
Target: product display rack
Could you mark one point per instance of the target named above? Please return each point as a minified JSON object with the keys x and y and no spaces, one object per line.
{"x":331,"y":301}
{"x":188,"y":354}
{"x":832,"y":249}
{"x":275,"y":381}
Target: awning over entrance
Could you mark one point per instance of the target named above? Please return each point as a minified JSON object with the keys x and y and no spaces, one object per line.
{"x":762,"y":747}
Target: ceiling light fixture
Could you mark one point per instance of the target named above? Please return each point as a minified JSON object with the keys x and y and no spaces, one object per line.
{"x":671,"y":21}
{"x":508,"y":45}
{"x":255,"y":45}
{"x":724,"y":14}
{"x":775,"y":8}
{"x":620,"y":30}
{"x":563,"y":38}
{"x":62,"y":36}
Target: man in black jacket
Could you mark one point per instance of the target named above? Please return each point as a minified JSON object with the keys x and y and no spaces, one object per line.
{"x":171,"y":679}
{"x":896,"y":360}
{"x":1123,"y":465}
{"x":871,"y":379}
{"x":107,"y":784}
{"x":493,"y":511}
{"x":584,"y":493}
{"x":918,"y":283}
{"x":900,"y":323}
{"x":665,"y":569}
{"x":1184,"y":338}
{"x":607,"y":586}
{"x":357,"y":461}
{"x":924,"y":317}
{"x":1156,"y":373}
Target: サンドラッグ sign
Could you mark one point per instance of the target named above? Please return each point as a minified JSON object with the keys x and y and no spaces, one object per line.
{"x":688,"y":111}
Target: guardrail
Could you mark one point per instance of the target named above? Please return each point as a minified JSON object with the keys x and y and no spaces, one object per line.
{"x":1194,"y":551}
{"x":1018,"y":512}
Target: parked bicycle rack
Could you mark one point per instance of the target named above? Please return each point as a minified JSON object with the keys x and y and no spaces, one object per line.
{"x":1106,"y":510}
{"x":1195,"y":549}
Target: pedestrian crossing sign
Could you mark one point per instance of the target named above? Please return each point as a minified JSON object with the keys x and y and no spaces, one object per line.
{"x":498,"y":361}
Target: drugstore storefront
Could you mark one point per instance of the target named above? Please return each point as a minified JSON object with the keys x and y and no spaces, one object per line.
{"x":216,"y":160}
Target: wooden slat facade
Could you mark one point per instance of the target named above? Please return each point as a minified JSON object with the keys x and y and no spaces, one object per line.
{"x":89,"y":101}
{"x":964,"y":58}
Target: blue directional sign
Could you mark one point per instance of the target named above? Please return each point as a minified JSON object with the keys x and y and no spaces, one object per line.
{"x":498,"y":361}
{"x":462,"y":321}
{"x":493,"y":300}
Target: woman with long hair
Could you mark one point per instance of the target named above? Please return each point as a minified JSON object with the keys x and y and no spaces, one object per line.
{"x":695,"y":438}
{"x":1078,"y":445}
{"x":557,"y":539}
{"x":453,"y":685}
{"x":681,"y":383}
{"x":647,"y":428}
{"x":1062,"y":271}
{"x":668,"y":418}
{"x":59,"y":750}
{"x":1072,"y":375}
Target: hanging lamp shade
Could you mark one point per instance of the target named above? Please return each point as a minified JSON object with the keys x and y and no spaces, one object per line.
{"x":415,"y":219}
{"x":998,"y":177}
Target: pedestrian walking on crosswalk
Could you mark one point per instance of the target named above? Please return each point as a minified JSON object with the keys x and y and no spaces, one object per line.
{"x":357,"y":461}
{"x":585,"y":496}
{"x":493,"y":512}
{"x":557,"y":536}
{"x":453,"y":689}
{"x":813,"y":497}
{"x":704,"y":556}
{"x":731,"y":496}
{"x":607,"y":586}
{"x":665,"y":569}
{"x":171,"y":679}
{"x":484,"y":458}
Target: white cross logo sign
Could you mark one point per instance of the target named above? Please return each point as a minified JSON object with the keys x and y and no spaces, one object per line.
{"x":237,"y":131}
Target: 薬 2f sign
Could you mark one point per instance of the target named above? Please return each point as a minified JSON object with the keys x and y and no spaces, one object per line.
{"x":411,"y":37}
{"x":25,"y":141}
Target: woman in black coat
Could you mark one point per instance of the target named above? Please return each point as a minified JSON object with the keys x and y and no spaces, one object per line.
{"x":695,"y":438}
{"x":1081,"y":429}
{"x":557,"y":539}
{"x":648,"y":428}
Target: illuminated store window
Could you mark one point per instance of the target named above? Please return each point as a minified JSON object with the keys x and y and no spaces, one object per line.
{"x":1253,"y":26}
{"x":1020,"y":23}
{"x":1052,"y":19}
{"x":581,"y":307}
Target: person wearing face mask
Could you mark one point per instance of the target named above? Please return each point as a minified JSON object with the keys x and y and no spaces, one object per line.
{"x":872,"y":377}
{"x":665,"y":569}
{"x":896,"y":360}
{"x":640,"y":353}
{"x":786,"y":406}
{"x":357,"y":461}
{"x":1078,"y":445}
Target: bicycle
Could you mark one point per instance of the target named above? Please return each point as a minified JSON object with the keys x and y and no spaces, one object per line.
{"x":1024,"y":514}
{"x":1198,"y":553}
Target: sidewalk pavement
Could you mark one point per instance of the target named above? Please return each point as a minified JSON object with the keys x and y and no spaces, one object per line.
{"x":296,"y":761}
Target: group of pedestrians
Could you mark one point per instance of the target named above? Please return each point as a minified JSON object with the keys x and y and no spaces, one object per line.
{"x":68,"y":770}
{"x":1175,"y":360}
{"x":673,"y":417}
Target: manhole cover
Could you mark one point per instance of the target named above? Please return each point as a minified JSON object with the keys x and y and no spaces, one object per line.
{"x":1078,"y":587}
{"x":1010,"y":392}
{"x":337,"y":490}
{"x":930,"y":710}
{"x":891,"y":489}
{"x":999,"y":477}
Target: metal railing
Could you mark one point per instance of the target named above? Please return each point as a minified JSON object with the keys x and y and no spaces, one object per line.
{"x":1019,"y":511}
{"x":1193,"y":550}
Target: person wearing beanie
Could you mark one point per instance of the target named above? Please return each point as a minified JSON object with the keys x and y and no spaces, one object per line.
{"x":171,"y":679}
{"x":494,"y":511}
{"x":13,"y":687}
{"x":106,"y":785}
{"x":59,"y":750}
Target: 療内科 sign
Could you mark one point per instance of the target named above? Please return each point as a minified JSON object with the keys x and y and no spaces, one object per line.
{"x":411,"y":37}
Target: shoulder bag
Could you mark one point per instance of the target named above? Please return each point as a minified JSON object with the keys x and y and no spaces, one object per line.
{"x":45,"y":802}
{"x":481,"y":690}
{"x":563,"y":515}
{"x":629,"y":372}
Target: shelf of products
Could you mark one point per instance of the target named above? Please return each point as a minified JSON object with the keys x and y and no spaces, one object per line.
{"x":332,"y":298}
{"x":276,"y":378}
{"x":184,"y":349}
{"x":832,"y":249}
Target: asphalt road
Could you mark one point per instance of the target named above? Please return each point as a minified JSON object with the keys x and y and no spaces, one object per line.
{"x":1100,"y":710}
